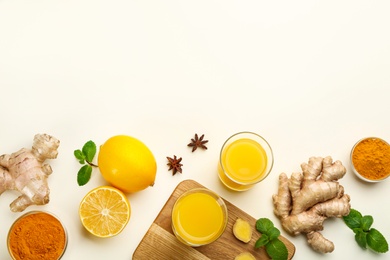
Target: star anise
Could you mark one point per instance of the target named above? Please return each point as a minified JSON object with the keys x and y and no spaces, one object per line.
{"x":174,"y":164}
{"x":198,"y":143}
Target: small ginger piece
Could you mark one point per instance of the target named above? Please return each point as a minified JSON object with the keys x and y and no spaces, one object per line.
{"x":242,"y":230}
{"x":26,"y":172}
{"x":245,"y":256}
{"x":305,"y":200}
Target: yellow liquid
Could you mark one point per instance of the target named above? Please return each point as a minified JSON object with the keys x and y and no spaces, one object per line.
{"x":198,"y":218}
{"x":244,"y":161}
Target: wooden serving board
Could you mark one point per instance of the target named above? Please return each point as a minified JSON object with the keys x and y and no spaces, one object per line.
{"x":160,"y":243}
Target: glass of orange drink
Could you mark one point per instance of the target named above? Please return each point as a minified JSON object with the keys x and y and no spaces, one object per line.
{"x":246,"y":158}
{"x":199,"y":217}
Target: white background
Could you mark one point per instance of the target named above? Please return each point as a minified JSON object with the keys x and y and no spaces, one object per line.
{"x":312,"y":77}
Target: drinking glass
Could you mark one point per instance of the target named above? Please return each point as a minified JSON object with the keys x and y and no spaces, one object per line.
{"x":245,"y":159}
{"x":199,"y":217}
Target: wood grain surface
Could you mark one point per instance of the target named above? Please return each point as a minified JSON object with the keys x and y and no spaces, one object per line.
{"x":160,"y":243}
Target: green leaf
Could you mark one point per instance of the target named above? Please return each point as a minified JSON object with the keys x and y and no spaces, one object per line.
{"x":262,"y":241}
{"x":277,"y":250}
{"x":89,"y":150}
{"x":353,"y":219}
{"x":263,"y":225}
{"x":357,"y":230}
{"x":79,"y":156}
{"x":361,"y":238}
{"x":367,"y":222}
{"x":376,"y":241}
{"x":84,"y":175}
{"x":273,"y":233}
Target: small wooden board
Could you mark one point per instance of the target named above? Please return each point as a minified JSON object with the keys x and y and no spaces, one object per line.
{"x":160,"y":243}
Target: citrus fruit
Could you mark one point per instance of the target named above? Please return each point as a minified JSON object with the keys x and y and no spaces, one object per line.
{"x":127,"y":163}
{"x":105,"y":211}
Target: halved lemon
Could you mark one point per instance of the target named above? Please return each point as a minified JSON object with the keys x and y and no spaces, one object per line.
{"x":105,"y":211}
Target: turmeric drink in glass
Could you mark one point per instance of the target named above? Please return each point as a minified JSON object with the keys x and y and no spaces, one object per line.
{"x":199,"y":217}
{"x":245,"y":159}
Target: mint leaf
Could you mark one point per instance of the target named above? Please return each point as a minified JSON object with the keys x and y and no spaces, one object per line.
{"x":366,"y":236}
{"x":263,"y":225}
{"x":376,"y":241}
{"x":79,"y":156}
{"x":273,"y":233}
{"x":276,"y":249}
{"x":89,"y":150}
{"x":85,"y":155}
{"x":262,"y":241}
{"x":361,"y":238}
{"x":84,"y":175}
{"x":367,"y":222}
{"x":356,"y":230}
{"x":353,"y":219}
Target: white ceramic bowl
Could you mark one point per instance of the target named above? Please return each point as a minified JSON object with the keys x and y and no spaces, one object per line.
{"x":371,"y":159}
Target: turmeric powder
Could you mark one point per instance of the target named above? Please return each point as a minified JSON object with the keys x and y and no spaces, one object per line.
{"x":371,"y":158}
{"x":37,"y":235}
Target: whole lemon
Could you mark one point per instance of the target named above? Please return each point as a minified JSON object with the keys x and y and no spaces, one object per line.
{"x":127,"y":163}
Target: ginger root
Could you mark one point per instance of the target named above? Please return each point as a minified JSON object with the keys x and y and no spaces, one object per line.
{"x":306,"y":199}
{"x":26,"y":172}
{"x":242,"y":230}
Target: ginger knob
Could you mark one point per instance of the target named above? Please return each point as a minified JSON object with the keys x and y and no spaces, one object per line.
{"x":245,"y":256}
{"x":242,"y":231}
{"x":26,"y":172}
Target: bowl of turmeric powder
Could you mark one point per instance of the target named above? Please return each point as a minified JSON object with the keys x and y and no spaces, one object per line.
{"x":370,"y":159}
{"x":37,"y":235}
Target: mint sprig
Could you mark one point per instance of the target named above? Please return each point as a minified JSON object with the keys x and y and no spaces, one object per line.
{"x":365,"y":236}
{"x":274,"y":247}
{"x":85,"y":157}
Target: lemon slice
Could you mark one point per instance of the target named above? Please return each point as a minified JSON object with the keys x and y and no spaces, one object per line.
{"x":105,"y":211}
